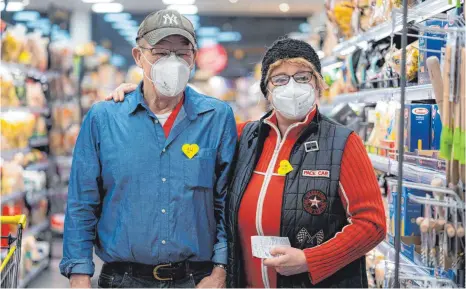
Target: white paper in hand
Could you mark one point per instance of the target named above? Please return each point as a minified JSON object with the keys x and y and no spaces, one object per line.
{"x":261,"y":245}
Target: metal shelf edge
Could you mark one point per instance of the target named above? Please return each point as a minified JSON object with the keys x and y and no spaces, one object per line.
{"x":385,"y":248}
{"x":12,"y":197}
{"x":417,"y":92}
{"x":36,"y":229}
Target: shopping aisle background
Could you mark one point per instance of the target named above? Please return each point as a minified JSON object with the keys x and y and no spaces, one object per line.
{"x":59,"y":57}
{"x":51,"y":278}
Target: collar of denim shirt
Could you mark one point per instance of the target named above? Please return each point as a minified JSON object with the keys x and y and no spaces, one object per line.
{"x":194,"y":102}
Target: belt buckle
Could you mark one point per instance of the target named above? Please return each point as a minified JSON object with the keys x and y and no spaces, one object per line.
{"x":154,"y":272}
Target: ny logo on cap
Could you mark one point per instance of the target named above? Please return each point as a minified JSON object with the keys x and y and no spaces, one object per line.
{"x":170,"y":18}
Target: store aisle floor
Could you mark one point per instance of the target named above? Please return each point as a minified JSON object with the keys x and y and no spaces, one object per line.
{"x":52,"y":278}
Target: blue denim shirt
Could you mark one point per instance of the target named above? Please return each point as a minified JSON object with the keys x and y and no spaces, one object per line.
{"x":136,"y":197}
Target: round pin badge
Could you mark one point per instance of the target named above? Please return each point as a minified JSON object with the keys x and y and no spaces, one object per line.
{"x":315,"y":202}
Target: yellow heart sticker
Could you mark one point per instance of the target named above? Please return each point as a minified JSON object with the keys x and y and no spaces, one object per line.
{"x":190,"y":150}
{"x":285,"y":168}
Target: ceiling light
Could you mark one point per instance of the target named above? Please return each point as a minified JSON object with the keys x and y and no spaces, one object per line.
{"x":284,"y":7}
{"x":179,"y":2}
{"x":97,"y":1}
{"x":107,"y":8}
{"x":233,"y":1}
{"x":124,"y":25}
{"x":14,"y":6}
{"x":207,"y":31}
{"x":184,"y":9}
{"x":115,"y":17}
{"x":26,"y":16}
{"x":229,"y":36}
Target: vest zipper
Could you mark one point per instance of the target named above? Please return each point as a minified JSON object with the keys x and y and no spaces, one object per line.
{"x":263,"y":192}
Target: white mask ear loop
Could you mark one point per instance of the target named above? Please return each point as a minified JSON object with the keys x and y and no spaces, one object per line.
{"x":143,"y":72}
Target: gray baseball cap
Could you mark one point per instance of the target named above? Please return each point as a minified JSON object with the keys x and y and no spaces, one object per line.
{"x":163,"y":23}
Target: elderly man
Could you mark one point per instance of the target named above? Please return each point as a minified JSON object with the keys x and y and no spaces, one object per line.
{"x":149,"y":174}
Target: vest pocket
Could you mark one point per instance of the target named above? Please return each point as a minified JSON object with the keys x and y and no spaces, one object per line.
{"x":199,"y":172}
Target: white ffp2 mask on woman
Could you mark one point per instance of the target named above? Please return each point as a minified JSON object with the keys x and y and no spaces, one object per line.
{"x":294,"y":100}
{"x":170,"y":75}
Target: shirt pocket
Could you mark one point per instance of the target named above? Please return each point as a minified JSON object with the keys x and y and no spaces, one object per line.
{"x":199,"y":172}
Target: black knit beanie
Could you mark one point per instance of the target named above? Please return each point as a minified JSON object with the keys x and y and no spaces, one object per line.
{"x":286,"y":48}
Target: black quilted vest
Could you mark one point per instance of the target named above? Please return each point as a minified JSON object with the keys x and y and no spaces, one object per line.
{"x":312,"y":211}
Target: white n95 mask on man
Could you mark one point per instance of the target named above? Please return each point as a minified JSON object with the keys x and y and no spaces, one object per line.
{"x":294,"y":100}
{"x":170,"y":75}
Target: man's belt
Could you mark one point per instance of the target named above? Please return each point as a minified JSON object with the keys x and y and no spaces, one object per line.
{"x":161,"y":272}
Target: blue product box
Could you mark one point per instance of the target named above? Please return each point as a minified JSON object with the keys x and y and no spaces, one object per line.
{"x":417,"y":126}
{"x":436,"y":128}
{"x":410,"y":211}
{"x":431,"y":44}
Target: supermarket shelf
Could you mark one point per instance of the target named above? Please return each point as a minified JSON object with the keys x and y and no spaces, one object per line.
{"x":418,"y":92}
{"x":12,"y":197}
{"x":34,"y":110}
{"x":42,"y":166}
{"x":9,"y":154}
{"x":38,"y":141}
{"x":34,"y":273}
{"x":407,"y":265}
{"x":29,"y":71}
{"x":416,"y":14}
{"x":36,"y":229}
{"x":411,"y":172}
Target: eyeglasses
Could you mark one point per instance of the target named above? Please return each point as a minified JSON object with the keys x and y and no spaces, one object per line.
{"x":300,"y":77}
{"x":157,"y":53}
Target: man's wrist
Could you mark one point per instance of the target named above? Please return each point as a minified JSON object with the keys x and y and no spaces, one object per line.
{"x":219,"y":272}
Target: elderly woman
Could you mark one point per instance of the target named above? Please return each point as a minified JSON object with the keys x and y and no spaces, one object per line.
{"x":300,"y":175}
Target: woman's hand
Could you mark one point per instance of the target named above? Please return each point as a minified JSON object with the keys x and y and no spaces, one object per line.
{"x":118,"y":94}
{"x":289,"y":261}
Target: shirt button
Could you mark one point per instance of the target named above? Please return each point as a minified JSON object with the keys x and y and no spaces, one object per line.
{"x":163,"y":242}
{"x":163,"y":211}
{"x":164,"y":150}
{"x":164,"y":180}
{"x":156,"y":121}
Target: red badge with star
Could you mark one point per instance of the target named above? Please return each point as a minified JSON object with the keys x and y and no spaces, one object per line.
{"x":315,"y":202}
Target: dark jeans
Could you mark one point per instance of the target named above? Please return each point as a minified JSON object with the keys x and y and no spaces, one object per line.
{"x":109,"y":279}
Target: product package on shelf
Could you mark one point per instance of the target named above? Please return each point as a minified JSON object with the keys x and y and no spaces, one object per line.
{"x":417,"y":126}
{"x":430,"y":47}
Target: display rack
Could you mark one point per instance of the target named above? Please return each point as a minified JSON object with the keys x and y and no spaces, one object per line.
{"x":416,"y":14}
{"x":413,"y":93}
{"x":404,"y":262}
{"x":31,"y":198}
{"x":411,"y":172}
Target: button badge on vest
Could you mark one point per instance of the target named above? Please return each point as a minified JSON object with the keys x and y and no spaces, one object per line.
{"x":315,"y":202}
{"x":285,"y":168}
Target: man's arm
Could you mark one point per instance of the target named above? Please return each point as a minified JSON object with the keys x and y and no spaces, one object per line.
{"x":83,"y":202}
{"x":225,"y":156}
{"x":361,"y":198}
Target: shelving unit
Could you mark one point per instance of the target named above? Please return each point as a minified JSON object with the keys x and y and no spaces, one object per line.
{"x":36,"y":229}
{"x":416,"y":14}
{"x":411,"y":172}
{"x":413,"y":93}
{"x":408,"y":266}
{"x":38,"y":141}
{"x":415,"y":171}
{"x":13,"y":197}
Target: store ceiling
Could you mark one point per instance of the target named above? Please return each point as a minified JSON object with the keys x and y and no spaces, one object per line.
{"x":206,"y":7}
